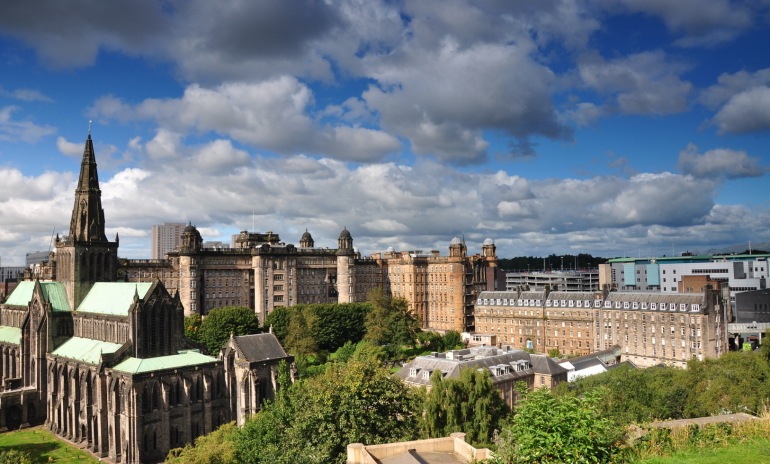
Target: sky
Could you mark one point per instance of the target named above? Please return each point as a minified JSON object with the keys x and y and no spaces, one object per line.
{"x":610,"y":127}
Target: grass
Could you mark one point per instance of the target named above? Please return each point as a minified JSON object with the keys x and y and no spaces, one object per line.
{"x":43,"y":446}
{"x":752,"y":452}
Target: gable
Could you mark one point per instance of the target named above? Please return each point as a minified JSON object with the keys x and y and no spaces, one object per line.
{"x":53,"y":292}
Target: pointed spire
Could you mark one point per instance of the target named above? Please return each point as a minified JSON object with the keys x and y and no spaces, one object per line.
{"x":87,"y":223}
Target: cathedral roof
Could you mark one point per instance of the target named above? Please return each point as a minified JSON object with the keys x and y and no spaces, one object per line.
{"x":54,"y":292}
{"x":160,"y":363}
{"x":85,"y":349}
{"x":260,"y":347}
{"x":10,"y":335}
{"x":113,"y":298}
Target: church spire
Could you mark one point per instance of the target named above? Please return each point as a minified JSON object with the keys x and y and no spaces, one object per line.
{"x":87,"y":223}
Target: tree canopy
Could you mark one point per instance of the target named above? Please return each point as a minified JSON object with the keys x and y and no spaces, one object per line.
{"x":390,"y":323}
{"x":217,"y":326}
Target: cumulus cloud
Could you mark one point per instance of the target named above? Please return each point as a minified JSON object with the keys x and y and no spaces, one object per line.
{"x":719,"y":163}
{"x":643,"y":83}
{"x":745,"y":112}
{"x":272,"y":114}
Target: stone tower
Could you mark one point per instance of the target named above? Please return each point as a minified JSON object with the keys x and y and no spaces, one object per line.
{"x":345,"y":262}
{"x":86,"y":256}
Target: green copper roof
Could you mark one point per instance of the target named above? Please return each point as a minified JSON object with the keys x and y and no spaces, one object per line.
{"x":113,"y":298}
{"x":10,"y":334}
{"x":85,"y":349}
{"x":160,"y":363}
{"x":53,"y":292}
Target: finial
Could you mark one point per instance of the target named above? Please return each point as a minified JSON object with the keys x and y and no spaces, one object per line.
{"x":89,"y":127}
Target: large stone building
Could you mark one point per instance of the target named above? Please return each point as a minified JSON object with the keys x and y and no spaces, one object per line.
{"x":650,"y":328}
{"x":103,"y":363}
{"x":262,"y":273}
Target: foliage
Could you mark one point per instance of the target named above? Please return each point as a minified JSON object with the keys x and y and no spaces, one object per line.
{"x":764,"y":348}
{"x":217,"y":447}
{"x":469,"y":404}
{"x":298,"y":339}
{"x":390,"y":323}
{"x":369,"y":352}
{"x":452,"y":340}
{"x":192,"y":326}
{"x":278,"y":320}
{"x":325,"y":327}
{"x":345,"y":352}
{"x":13,"y":456}
{"x":315,"y":419}
{"x":566,"y":429}
{"x":555,"y":353}
{"x":217,"y":326}
{"x":430,"y":341}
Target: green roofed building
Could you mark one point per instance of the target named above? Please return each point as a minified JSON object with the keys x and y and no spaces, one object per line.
{"x":103,"y":363}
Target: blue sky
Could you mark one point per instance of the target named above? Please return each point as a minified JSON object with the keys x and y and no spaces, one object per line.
{"x":628,"y":127}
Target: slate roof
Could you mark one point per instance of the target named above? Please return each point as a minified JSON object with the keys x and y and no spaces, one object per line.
{"x":260,"y":347}
{"x":85,"y":349}
{"x":53,"y":292}
{"x":10,"y":335}
{"x":113,"y":298}
{"x":542,"y":364}
{"x":452,"y":362}
{"x":161,"y":363}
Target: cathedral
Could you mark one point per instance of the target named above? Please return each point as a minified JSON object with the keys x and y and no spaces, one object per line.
{"x":105,"y":364}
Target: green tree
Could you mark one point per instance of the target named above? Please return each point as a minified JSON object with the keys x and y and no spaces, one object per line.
{"x":318,"y":417}
{"x":192,"y":326}
{"x":12,"y":456}
{"x":278,"y":319}
{"x":568,"y":429}
{"x":345,"y":352}
{"x":390,"y":323}
{"x":218,"y":447}
{"x":299,"y":339}
{"x":452,"y":340}
{"x":217,"y":326}
{"x":469,"y":404}
{"x":335,"y":324}
{"x":430,"y":341}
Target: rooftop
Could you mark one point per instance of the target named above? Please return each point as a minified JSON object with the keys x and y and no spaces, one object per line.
{"x":53,"y":292}
{"x":85,"y":349}
{"x":160,"y":363}
{"x":113,"y":298}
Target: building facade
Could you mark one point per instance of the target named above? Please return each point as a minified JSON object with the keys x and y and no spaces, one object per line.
{"x":262,"y":272}
{"x":650,"y":328}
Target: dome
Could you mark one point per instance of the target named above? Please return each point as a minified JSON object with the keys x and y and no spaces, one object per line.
{"x":306,"y":236}
{"x":189,"y":229}
{"x":455,"y":241}
{"x":488,"y":242}
{"x":345,"y":234}
{"x":390,"y":250}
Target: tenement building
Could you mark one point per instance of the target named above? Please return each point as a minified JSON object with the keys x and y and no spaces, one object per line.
{"x":650,"y":328}
{"x":262,"y":273}
{"x":104,"y":363}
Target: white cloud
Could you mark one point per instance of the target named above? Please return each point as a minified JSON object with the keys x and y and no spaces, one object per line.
{"x":69,"y":148}
{"x":719,"y":163}
{"x":24,"y":131}
{"x":745,"y":112}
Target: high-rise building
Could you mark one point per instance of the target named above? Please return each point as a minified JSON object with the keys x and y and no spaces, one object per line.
{"x":166,"y":238}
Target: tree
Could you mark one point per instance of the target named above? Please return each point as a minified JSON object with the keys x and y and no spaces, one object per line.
{"x":318,"y":417}
{"x":278,"y":319}
{"x":469,"y":404}
{"x":567,"y":429}
{"x":452,"y":340}
{"x":218,"y":447}
{"x":430,"y":341}
{"x":217,"y":326}
{"x":390,"y":323}
{"x":192,"y":326}
{"x":299,"y":340}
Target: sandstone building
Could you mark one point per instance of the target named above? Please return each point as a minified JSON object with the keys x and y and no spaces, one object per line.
{"x":650,"y":328}
{"x":104,"y":363}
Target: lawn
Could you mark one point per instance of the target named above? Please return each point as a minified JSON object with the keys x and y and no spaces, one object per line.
{"x":750,"y":452}
{"x":43,"y":447}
